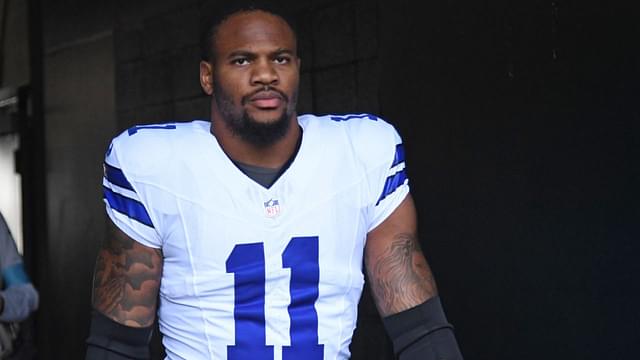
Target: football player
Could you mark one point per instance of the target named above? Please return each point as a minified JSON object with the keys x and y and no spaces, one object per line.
{"x":252,"y":227}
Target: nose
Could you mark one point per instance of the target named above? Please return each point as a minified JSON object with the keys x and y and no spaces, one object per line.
{"x":264,"y":73}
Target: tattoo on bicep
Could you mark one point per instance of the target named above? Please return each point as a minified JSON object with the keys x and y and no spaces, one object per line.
{"x":400,"y":276}
{"x":126,"y":280}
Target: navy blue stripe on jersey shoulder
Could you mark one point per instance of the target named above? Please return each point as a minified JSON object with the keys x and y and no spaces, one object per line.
{"x":116,"y":177}
{"x":127,"y":206}
{"x":399,"y":156}
{"x":353,"y":116}
{"x":392,"y":183}
{"x":134,"y":129}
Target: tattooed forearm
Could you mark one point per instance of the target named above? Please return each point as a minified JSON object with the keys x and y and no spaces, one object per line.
{"x":400,"y":276}
{"x":126,"y":280}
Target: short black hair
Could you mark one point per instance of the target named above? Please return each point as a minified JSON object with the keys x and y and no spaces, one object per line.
{"x":213,"y":13}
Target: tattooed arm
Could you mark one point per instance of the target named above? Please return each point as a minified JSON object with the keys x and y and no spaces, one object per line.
{"x":126,"y":280}
{"x":397,"y":269}
{"x":125,"y":288}
{"x":405,"y":291}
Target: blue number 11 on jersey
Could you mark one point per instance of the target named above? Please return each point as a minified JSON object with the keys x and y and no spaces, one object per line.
{"x":246,"y":262}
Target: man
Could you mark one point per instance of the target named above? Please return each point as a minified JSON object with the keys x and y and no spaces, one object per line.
{"x":252,"y":228}
{"x":18,"y":297}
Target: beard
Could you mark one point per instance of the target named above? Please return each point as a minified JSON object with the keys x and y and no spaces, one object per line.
{"x":243,"y":125}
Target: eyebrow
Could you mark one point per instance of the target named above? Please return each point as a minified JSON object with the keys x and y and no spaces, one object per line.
{"x":251,"y":54}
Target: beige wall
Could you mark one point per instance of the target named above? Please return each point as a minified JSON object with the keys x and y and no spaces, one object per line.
{"x":10,"y":188}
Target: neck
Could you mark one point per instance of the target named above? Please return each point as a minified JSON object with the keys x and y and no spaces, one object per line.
{"x":272,"y":156}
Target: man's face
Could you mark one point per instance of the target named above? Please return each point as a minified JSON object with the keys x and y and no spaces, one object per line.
{"x":255,"y":76}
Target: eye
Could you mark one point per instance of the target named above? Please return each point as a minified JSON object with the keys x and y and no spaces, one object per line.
{"x":240,"y":61}
{"x":281,"y":60}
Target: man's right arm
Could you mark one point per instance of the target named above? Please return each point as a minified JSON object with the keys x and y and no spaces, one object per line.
{"x":125,"y":291}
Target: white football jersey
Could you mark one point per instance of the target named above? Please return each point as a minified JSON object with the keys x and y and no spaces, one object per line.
{"x":255,"y":273}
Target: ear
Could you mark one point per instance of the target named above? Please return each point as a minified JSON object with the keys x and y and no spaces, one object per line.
{"x":206,"y":77}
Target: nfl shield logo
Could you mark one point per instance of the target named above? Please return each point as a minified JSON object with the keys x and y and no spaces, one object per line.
{"x":272,"y":208}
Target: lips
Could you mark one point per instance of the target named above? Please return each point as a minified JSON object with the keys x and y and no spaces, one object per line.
{"x":266,"y":99}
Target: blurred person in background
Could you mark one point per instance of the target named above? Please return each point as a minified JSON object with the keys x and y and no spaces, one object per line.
{"x":18,"y":298}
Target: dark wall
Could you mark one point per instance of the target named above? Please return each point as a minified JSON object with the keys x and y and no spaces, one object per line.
{"x":521,"y":128}
{"x":79,"y":117}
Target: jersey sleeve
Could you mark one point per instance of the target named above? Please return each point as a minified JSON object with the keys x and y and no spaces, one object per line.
{"x":387,"y":175}
{"x":126,"y":202}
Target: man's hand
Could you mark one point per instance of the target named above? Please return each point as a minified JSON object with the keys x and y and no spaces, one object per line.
{"x":127,"y":280}
{"x":397,"y":269}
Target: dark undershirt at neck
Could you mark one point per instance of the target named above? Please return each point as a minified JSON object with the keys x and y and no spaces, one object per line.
{"x":267,"y":176}
{"x":262,"y":175}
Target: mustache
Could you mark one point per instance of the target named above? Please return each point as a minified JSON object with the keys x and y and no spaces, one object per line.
{"x":266,"y":88}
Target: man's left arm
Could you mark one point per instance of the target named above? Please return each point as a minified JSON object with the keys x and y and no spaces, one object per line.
{"x":405,"y":291}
